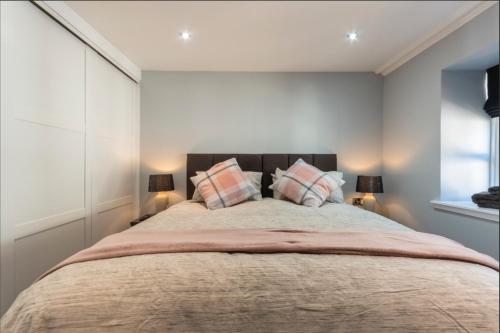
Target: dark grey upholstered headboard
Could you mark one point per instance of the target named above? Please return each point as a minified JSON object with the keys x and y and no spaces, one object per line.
{"x":265,"y":163}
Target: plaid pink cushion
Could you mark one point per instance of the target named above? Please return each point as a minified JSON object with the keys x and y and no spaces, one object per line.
{"x":305,"y":184}
{"x":224,"y":185}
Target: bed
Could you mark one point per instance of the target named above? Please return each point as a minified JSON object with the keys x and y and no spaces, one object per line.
{"x":261,"y":292}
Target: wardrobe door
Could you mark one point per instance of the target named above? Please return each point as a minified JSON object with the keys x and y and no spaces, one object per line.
{"x":43,"y":145}
{"x":111,"y":106}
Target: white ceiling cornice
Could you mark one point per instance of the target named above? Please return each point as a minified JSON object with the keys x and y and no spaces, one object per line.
{"x":454,"y":23}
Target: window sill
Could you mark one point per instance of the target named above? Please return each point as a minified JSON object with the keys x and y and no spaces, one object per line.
{"x":466,"y":208}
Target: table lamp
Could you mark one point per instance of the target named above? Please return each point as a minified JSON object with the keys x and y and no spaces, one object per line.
{"x":369,"y":185}
{"x":161,"y":183}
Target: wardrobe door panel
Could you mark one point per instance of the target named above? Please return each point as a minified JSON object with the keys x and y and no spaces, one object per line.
{"x":110,"y":97}
{"x":112,"y":220}
{"x":114,"y":162}
{"x":35,"y":254}
{"x":43,"y":145}
{"x":46,"y":173}
{"x":45,"y":72}
{"x":45,"y":109}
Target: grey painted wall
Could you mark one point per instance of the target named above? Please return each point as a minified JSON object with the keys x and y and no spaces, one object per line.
{"x":411,"y":139}
{"x":198,"y":112}
{"x":207,"y":112}
{"x":465,"y":135}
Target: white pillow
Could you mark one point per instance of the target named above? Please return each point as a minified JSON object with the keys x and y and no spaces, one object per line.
{"x":278,"y":173}
{"x":337,"y":195}
{"x":255,"y":179}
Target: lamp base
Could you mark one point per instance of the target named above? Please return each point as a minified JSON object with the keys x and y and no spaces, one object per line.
{"x":369,"y":202}
{"x":161,"y":202}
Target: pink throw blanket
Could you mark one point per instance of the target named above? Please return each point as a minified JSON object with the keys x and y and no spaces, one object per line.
{"x":375,"y":243}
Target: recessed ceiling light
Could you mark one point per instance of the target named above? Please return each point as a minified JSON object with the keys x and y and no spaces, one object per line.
{"x":185,"y":35}
{"x":352,"y":36}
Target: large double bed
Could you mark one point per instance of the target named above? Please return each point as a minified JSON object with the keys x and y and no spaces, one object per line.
{"x":261,"y":292}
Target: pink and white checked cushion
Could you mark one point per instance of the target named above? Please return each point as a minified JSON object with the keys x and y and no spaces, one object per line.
{"x":305,"y":184}
{"x":224,"y":185}
{"x":337,"y":195}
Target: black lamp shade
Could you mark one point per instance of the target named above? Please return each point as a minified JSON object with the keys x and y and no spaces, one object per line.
{"x":369,"y":184}
{"x":161,"y":183}
{"x":491,"y":106}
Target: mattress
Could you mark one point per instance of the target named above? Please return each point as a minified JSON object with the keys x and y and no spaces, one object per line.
{"x":280,"y":292}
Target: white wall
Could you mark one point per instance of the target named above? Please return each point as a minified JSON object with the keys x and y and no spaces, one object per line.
{"x":465,"y":135}
{"x":197,"y":112}
{"x":412,"y":136}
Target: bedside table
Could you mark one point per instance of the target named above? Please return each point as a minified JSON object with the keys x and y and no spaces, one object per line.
{"x":140,"y":219}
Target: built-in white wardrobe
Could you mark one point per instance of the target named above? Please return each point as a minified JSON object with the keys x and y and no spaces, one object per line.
{"x":69,"y":146}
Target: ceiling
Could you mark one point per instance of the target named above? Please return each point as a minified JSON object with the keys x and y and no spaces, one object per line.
{"x":291,"y":36}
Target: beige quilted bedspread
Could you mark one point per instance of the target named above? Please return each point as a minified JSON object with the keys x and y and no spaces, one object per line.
{"x":220,"y":292}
